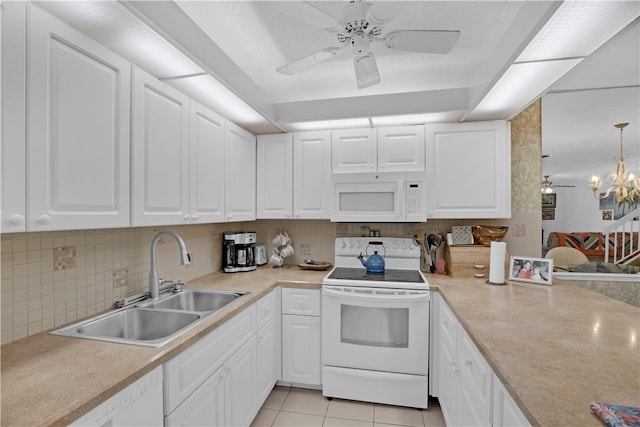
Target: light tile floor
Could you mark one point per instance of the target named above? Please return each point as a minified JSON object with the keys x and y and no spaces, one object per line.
{"x":299,"y":407}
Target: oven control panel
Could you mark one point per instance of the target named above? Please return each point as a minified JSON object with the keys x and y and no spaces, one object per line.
{"x":388,"y":247}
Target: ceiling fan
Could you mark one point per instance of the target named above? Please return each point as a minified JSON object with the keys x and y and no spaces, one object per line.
{"x":359,"y":25}
{"x":548,"y":186}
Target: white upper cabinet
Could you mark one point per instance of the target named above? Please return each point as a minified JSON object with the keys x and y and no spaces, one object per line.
{"x":160,"y":154}
{"x":469,"y":170}
{"x":206,"y":165}
{"x":275,"y":176}
{"x":78,"y":109}
{"x":13,"y":179}
{"x":390,"y":149}
{"x":401,"y":149}
{"x":240,"y":175}
{"x":294,"y":172}
{"x":354,"y":150}
{"x":312,"y":175}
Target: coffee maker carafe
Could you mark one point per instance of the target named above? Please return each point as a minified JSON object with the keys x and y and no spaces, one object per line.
{"x":237,"y":248}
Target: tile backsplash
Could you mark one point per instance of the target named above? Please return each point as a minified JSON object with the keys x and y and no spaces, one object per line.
{"x":53,"y":278}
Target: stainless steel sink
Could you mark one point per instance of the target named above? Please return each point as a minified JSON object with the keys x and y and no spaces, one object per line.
{"x":155,"y":325}
{"x":197,"y":300}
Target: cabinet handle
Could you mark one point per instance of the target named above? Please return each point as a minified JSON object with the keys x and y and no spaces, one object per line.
{"x":454,"y":365}
{"x":16,"y":220}
{"x":44,"y":220}
{"x":194,"y":217}
{"x":468,"y":363}
{"x":288,"y":214}
{"x":187,"y":218}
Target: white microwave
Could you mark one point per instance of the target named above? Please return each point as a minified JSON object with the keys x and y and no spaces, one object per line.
{"x":379,"y":197}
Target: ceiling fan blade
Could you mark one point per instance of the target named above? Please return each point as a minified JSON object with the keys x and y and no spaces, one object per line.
{"x":428,"y":41}
{"x":308,"y":61}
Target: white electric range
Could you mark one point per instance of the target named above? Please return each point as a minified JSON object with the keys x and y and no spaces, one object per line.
{"x":375,"y":327}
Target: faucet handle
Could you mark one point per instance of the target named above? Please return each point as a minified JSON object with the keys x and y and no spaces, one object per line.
{"x":177,"y":286}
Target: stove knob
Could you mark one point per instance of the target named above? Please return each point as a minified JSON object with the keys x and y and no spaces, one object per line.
{"x":350,"y":244}
{"x":359,"y":244}
{"x":344,"y":244}
{"x":411,"y":246}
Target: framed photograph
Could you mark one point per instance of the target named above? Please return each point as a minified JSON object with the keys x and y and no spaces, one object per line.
{"x":549,"y":200}
{"x":607,"y":215}
{"x":533,"y":270}
{"x":548,"y":213}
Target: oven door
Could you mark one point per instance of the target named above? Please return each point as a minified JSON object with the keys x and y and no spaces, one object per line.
{"x":376,"y":329}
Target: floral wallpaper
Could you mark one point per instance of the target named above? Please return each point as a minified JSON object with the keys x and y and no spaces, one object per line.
{"x":526,"y":159}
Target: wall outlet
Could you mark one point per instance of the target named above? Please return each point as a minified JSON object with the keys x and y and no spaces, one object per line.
{"x":305,"y":250}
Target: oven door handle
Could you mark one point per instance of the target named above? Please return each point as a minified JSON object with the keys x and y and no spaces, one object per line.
{"x":419,"y":295}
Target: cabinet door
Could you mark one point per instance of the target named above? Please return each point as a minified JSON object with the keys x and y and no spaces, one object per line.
{"x":78,"y":129}
{"x":274,"y":185}
{"x":476,"y":157}
{"x":506,"y":412}
{"x":354,"y":150}
{"x":448,"y":370}
{"x":12,"y":181}
{"x":476,"y":380}
{"x":401,"y":148}
{"x":301,"y":349}
{"x":160,"y":179}
{"x":205,"y":407}
{"x":267,"y":371}
{"x":312,"y":175}
{"x":241,"y":395}
{"x":206,"y":165}
{"x":240,"y":174}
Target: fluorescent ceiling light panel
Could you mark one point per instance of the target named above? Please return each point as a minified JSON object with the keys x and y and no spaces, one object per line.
{"x":415,"y":119}
{"x":522,"y":82}
{"x":578,"y":28}
{"x":328,"y":124}
{"x":217,"y":96}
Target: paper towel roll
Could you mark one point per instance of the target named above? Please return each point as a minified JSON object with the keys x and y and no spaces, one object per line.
{"x":496,"y":262}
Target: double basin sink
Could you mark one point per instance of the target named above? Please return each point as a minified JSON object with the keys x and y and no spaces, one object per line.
{"x":156,"y":324}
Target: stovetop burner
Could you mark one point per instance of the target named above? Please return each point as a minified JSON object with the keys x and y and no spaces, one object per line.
{"x":389,"y":275}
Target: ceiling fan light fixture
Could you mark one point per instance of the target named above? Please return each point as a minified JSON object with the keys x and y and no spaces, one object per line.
{"x":366,"y":70}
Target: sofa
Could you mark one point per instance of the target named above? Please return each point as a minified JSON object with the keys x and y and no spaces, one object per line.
{"x":592,"y":244}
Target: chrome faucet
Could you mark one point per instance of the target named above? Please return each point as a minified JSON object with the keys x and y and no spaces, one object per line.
{"x":185,"y":259}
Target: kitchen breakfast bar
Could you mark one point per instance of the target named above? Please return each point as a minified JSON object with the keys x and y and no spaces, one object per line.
{"x":555,"y":348}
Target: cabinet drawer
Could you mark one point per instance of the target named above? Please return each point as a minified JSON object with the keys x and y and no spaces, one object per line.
{"x":266,"y":307}
{"x":185,"y":372}
{"x":301,"y":301}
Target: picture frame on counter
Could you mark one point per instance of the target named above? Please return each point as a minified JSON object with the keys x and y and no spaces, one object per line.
{"x":532,"y":270}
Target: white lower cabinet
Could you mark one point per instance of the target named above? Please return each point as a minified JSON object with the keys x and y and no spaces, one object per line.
{"x":268,"y":343}
{"x":223,"y":379}
{"x":140,"y":404}
{"x":301,"y":362}
{"x":469,"y":392}
{"x":506,"y":412}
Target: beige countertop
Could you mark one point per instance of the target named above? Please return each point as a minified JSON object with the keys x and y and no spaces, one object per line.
{"x":555,"y":349}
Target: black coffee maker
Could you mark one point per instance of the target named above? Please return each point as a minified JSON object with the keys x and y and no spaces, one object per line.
{"x":238,"y":251}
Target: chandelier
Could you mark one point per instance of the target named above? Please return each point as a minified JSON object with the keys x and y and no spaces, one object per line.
{"x":624,"y":185}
